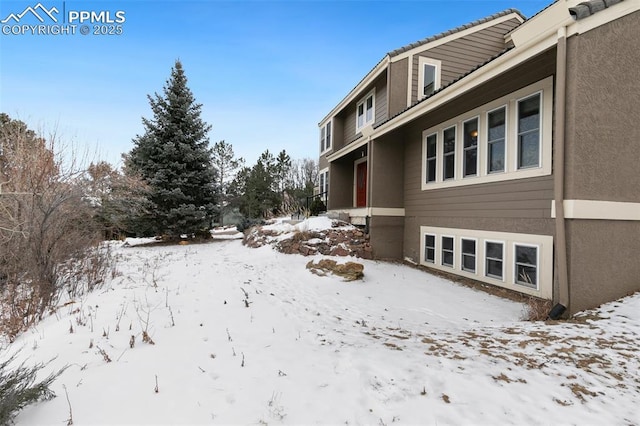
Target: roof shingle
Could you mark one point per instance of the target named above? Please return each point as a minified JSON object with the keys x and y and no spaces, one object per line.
{"x":591,"y":7}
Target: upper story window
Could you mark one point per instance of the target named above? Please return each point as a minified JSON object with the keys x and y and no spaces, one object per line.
{"x":325,"y":137}
{"x":365,"y":111}
{"x":529,"y":132}
{"x":508,"y":138}
{"x":496,"y":132}
{"x":449,"y":154}
{"x":432,"y":150}
{"x":470,"y":160}
{"x":428,"y":76}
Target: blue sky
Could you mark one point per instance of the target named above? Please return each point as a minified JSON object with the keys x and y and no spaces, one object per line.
{"x":265,"y":71}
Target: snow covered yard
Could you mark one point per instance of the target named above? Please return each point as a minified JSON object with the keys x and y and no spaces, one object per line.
{"x":249,"y":336}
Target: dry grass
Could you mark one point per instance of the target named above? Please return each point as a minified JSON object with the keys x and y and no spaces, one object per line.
{"x":350,"y":271}
{"x":537,"y":309}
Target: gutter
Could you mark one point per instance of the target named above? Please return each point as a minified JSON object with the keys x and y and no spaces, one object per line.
{"x":563,"y":299}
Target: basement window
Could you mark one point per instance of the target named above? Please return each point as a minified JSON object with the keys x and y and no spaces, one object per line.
{"x":447,"y":251}
{"x":526,"y":265}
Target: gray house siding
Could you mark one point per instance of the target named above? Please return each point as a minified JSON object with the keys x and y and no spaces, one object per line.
{"x":381,"y":99}
{"x":398,"y":72}
{"x":519,"y":205}
{"x":462,"y":55}
{"x":387,"y":176}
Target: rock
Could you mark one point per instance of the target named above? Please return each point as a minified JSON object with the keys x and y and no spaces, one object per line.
{"x":339,"y":251}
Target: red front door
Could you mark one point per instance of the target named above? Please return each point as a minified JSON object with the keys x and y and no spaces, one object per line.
{"x":361,"y":185}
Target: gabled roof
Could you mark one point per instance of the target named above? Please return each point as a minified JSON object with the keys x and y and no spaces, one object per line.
{"x":455,"y":30}
{"x":382,"y":64}
{"x":425,"y":99}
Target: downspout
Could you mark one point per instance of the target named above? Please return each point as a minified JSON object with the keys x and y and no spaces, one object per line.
{"x":559,"y":175}
{"x":369,"y":192}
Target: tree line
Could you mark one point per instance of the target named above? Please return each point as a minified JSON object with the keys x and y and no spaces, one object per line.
{"x":185,"y":185}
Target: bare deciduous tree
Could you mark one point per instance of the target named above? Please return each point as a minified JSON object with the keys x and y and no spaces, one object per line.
{"x":46,"y":226}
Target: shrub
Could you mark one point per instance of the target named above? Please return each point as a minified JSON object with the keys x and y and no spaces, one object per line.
{"x":317,"y":207}
{"x":18,"y":388}
{"x":537,"y":309}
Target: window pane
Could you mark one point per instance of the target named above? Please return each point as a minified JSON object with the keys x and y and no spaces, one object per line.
{"x":470,"y":162}
{"x":469,"y":246}
{"x":449,"y":153}
{"x":471,"y":133}
{"x":494,"y":250}
{"x":360,"y":115}
{"x":469,"y":263}
{"x":430,"y":255}
{"x":527,"y":255}
{"x":322,"y":139}
{"x":431,"y":170}
{"x":328,"y":134}
{"x":429,"y":240}
{"x":369,"y":109}
{"x":450,"y":140}
{"x":370,"y":102}
{"x":494,"y":268}
{"x":447,"y":243}
{"x":496,"y":156}
{"x":429,"y":245}
{"x":431,"y":157}
{"x":527,"y":266}
{"x":449,"y":167}
{"x":526,"y":275}
{"x":431,"y":146}
{"x":529,"y":114}
{"x":528,"y":149}
{"x":429,"y":79}
{"x":469,"y":255}
{"x":470,"y":142}
{"x":447,"y":251}
{"x":529,"y":132}
{"x":497,"y":124}
{"x":495,"y":139}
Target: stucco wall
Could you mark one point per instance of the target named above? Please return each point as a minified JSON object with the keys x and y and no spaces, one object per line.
{"x":603,"y":107}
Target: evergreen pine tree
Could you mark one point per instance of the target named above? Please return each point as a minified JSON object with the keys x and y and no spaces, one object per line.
{"x":173,"y":157}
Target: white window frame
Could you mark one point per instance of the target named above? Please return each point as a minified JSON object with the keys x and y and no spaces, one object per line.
{"x":515,"y":265}
{"x":422,"y":61}
{"x":323,"y":184}
{"x":485,"y":259}
{"x":486,"y":140}
{"x":509,"y":241}
{"x":435,"y":248}
{"x":425,"y":149}
{"x":326,"y":136}
{"x":363,"y":101}
{"x":453,"y":251}
{"x":463,"y":150}
{"x":475,"y":255}
{"x":322,"y":139}
{"x":517,"y":130}
{"x":455,"y":153}
{"x":545,"y":88}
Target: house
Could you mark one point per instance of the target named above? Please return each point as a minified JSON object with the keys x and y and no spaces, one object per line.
{"x":506,"y":151}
